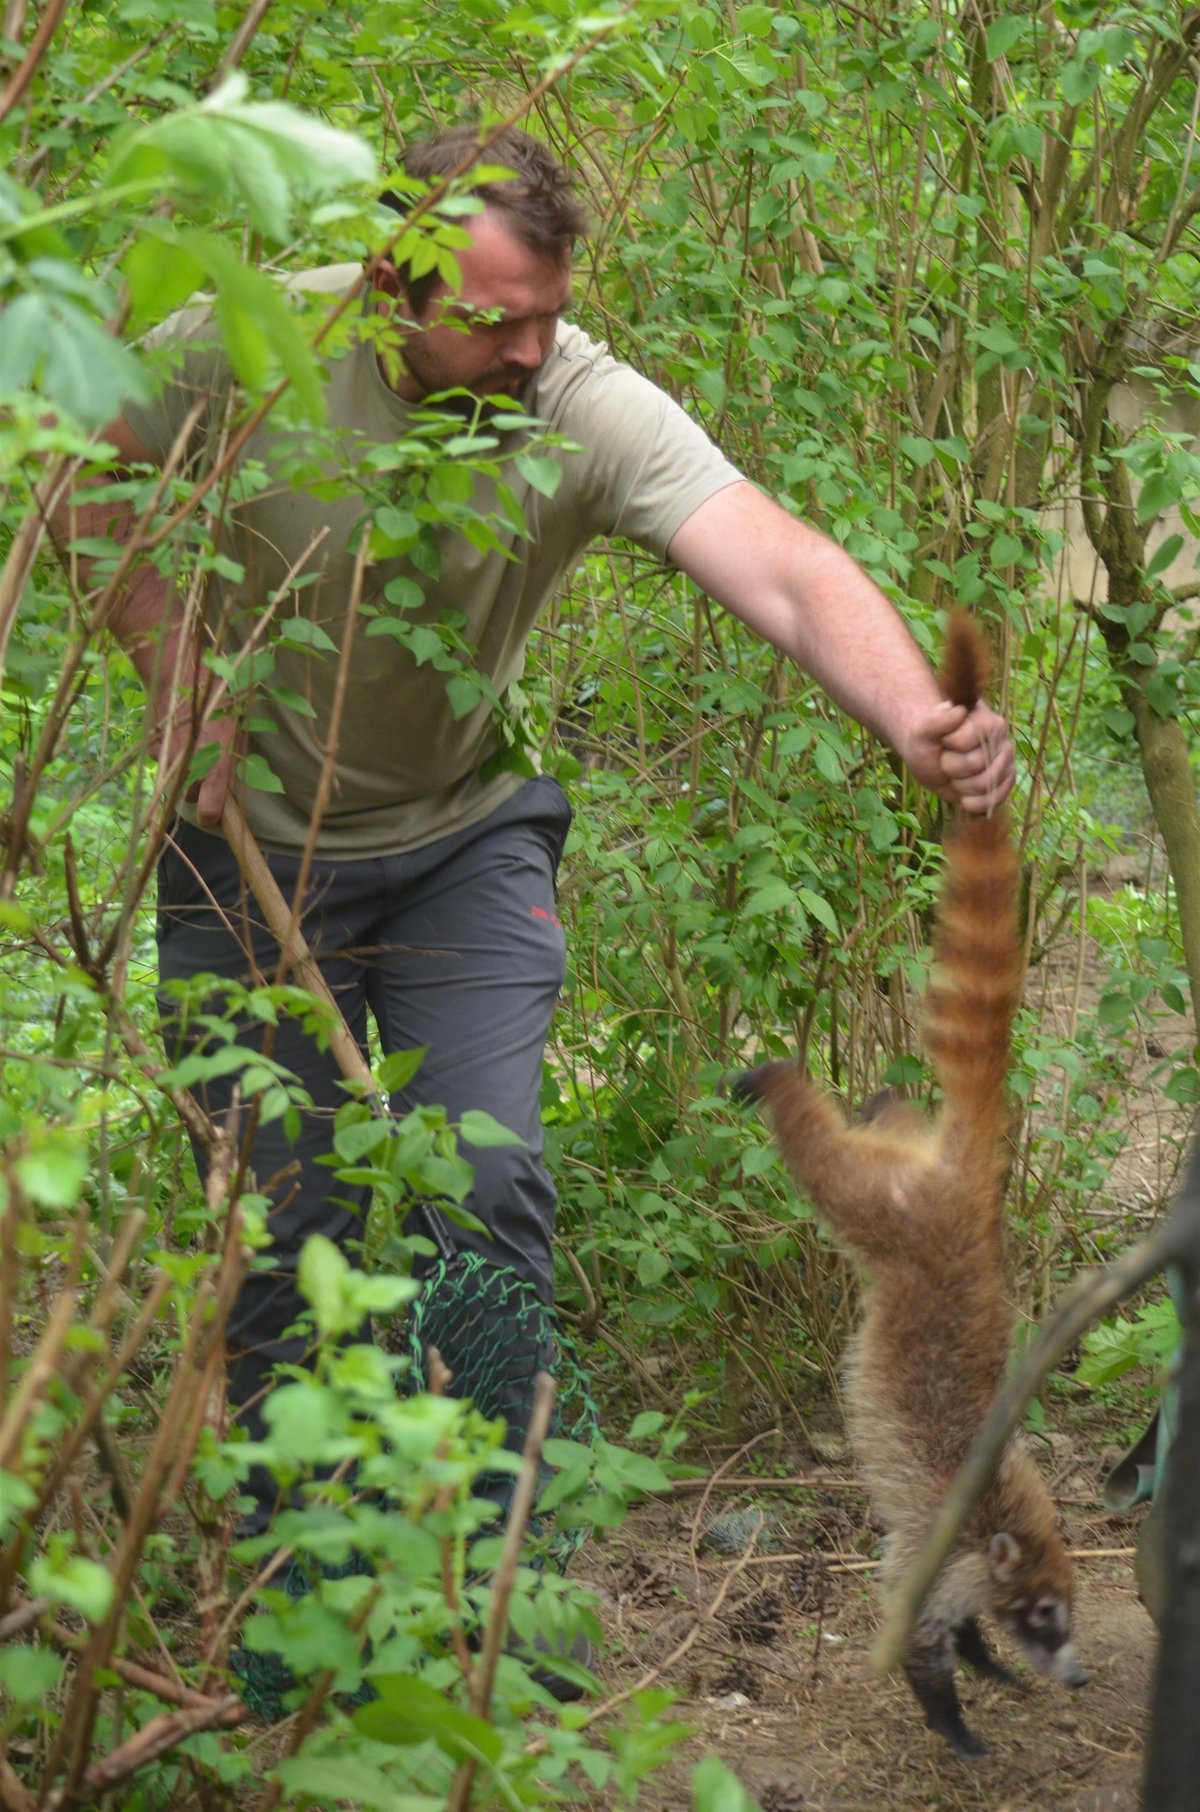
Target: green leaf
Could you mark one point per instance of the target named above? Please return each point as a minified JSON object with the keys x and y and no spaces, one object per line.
{"x":73,"y":1579}
{"x":637,"y":1471}
{"x":652,"y":1266}
{"x":1160,"y":491}
{"x":352,"y":1142}
{"x":820,"y":908}
{"x":321,"y":1277}
{"x":302,"y":632}
{"x":162,"y":275}
{"x":775,"y":895}
{"x":16,"y":1496}
{"x":1006,"y":550}
{"x":28,"y":1674}
{"x":699,"y":28}
{"x":258,"y":327}
{"x":1184,"y":1086}
{"x":335,"y":1780}
{"x":716,"y":1789}
{"x":998,"y":339}
{"x":917,"y":448}
{"x":1080,"y":80}
{"x":53,"y":1176}
{"x":464,"y":693}
{"x":1170,"y":550}
{"x":23,"y":342}
{"x":1003,"y":33}
{"x":479,"y":1128}
{"x":397,"y":1069}
{"x":263,"y":156}
{"x":84,"y":371}
{"x":545,"y":475}
{"x":410,"y":1711}
{"x":255,"y":771}
{"x":828,"y":761}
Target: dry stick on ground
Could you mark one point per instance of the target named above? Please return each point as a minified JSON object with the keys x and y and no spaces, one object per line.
{"x":802,"y":1481}
{"x":710,"y":1486}
{"x":1091,"y":1296}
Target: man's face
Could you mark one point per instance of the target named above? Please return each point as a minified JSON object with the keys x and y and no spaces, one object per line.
{"x":492,"y":335}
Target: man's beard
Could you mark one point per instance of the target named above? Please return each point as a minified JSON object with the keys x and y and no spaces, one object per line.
{"x":462,"y":400}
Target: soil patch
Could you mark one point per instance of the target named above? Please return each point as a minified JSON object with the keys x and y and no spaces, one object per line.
{"x":768,"y":1650}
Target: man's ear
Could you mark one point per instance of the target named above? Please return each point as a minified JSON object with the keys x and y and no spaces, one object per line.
{"x":387,"y":279}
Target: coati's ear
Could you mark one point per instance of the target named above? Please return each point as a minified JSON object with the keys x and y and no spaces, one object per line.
{"x":759,"y":1084}
{"x":1003,"y":1557}
{"x":887,"y":1112}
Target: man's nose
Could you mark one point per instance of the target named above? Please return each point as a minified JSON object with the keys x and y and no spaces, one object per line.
{"x":523,"y":345}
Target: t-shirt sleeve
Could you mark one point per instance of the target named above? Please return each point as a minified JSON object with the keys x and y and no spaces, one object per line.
{"x":186,"y":354}
{"x":648,"y":465}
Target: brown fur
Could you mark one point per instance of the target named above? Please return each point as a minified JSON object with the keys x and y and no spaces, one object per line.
{"x":918,"y":1204}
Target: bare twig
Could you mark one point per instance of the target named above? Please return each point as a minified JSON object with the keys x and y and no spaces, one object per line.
{"x":42,"y":1368}
{"x":48,"y":24}
{"x":241,"y":40}
{"x":747,"y":1482}
{"x":14,"y":1795}
{"x":484,"y":1674}
{"x":160,"y":1735}
{"x":275,"y":910}
{"x":711,"y":1484}
{"x":523,"y":1497}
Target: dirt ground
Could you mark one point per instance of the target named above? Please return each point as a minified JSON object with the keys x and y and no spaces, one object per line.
{"x":777,"y":1681}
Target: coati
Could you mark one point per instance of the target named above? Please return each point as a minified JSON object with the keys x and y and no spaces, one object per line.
{"x":917,"y":1204}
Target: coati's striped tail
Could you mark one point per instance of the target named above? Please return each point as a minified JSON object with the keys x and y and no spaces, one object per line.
{"x":977,"y":968}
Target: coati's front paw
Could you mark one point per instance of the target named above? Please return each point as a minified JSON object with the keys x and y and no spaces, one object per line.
{"x":943,"y":1713}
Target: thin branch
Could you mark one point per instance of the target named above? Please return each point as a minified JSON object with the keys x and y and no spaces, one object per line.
{"x":48,"y":24}
{"x":14,"y":1794}
{"x":161,"y":1734}
{"x":241,"y":40}
{"x":484,"y":1674}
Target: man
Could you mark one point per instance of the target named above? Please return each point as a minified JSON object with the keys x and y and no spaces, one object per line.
{"x":430,"y":901}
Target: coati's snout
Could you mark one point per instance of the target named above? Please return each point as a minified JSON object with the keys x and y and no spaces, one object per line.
{"x":1037,"y":1613}
{"x":1044,"y":1634}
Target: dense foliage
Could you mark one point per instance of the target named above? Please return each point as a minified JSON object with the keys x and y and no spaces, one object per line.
{"x":927,"y":273}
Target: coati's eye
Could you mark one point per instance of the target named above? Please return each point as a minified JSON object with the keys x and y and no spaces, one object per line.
{"x":1045,"y":1613}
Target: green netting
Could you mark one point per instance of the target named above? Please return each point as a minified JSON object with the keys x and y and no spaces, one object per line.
{"x":495,"y":1334}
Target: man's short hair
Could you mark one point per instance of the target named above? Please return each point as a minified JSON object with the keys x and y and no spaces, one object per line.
{"x":537,"y":200}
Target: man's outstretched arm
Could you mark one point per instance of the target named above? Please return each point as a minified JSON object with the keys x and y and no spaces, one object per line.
{"x":806,"y":596}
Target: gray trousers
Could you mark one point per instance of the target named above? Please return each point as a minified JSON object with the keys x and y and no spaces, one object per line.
{"x":455,"y":946}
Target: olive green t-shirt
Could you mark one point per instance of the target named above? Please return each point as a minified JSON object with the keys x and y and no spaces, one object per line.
{"x":407,"y":768}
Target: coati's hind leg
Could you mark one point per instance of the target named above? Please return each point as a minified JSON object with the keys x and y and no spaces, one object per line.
{"x":970,"y":1643}
{"x":930,"y":1673}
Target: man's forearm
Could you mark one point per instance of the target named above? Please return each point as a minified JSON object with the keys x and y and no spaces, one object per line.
{"x":803,"y":593}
